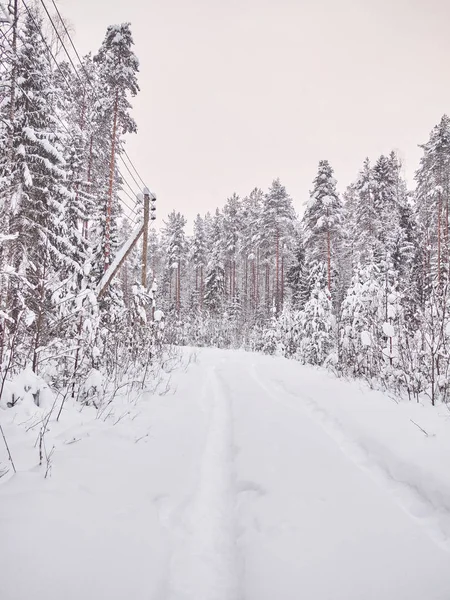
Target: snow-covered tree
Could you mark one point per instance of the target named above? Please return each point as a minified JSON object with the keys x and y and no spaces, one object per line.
{"x":277,"y":232}
{"x":118,"y":67}
{"x":322,"y":222}
{"x":215,"y":277}
{"x":317,"y":321}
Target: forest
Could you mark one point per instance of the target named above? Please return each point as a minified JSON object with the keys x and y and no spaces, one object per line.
{"x":357,"y":283}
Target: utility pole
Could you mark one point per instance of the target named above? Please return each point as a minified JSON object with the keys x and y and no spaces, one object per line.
{"x":145,"y":237}
{"x":123,"y":253}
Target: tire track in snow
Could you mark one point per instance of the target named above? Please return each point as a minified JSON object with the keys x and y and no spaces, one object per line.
{"x":204,"y":564}
{"x":376,"y":463}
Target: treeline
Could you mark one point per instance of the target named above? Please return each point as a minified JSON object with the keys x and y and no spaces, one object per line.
{"x":359,"y":283}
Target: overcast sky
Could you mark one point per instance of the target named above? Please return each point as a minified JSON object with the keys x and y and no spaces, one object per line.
{"x":237,"y":92}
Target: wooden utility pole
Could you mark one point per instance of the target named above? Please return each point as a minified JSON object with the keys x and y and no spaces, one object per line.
{"x":116,"y":264}
{"x":141,"y":229}
{"x":145,"y":236}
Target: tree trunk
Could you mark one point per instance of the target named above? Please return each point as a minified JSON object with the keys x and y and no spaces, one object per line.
{"x":439,"y":238}
{"x":201,"y":287}
{"x":254,"y":291}
{"x":40,"y":320}
{"x":77,"y":354}
{"x":277,"y":276}
{"x":179,"y":288}
{"x":111,"y":183}
{"x":257,"y":279}
{"x":329,"y":260}
{"x":4,"y":283}
{"x":446,"y":258}
{"x":89,"y":175}
{"x":246,"y":284}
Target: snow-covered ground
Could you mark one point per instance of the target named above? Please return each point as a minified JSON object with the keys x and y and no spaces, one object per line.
{"x":255,"y":478}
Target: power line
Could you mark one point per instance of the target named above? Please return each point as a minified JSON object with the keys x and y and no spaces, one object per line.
{"x":93,"y":88}
{"x":70,"y":39}
{"x":47,"y":46}
{"x":60,"y":39}
{"x":78,"y":75}
{"x":133,"y":211}
{"x":132,"y":221}
{"x":64,"y":126}
{"x":31,"y":101}
{"x":132,"y":176}
{"x":63,"y":76}
{"x":131,"y":198}
{"x":132,"y":164}
{"x":129,"y":187}
{"x":84,"y":89}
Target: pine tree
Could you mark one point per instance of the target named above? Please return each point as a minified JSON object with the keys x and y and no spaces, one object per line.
{"x":231,"y":214}
{"x":251,"y":237}
{"x":118,"y":66}
{"x":298,"y":276}
{"x":433,"y":195}
{"x":365,"y":217}
{"x":198,"y":258}
{"x":322,"y":222}
{"x":175,"y":242}
{"x":215,"y":277}
{"x":277,"y":232}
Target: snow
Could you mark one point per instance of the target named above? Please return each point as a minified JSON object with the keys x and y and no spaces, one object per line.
{"x":388,"y":330}
{"x":94,"y":380}
{"x":28,"y":389}
{"x":255,"y":477}
{"x":447,"y":329}
{"x":366,"y":339}
{"x":159,"y":315}
{"x":7,"y":238}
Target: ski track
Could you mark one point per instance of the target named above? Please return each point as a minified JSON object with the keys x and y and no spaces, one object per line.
{"x":288,"y":513}
{"x":435,"y":520}
{"x":204,"y":562}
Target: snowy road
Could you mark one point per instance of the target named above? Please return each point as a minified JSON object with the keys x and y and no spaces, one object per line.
{"x":243,"y":491}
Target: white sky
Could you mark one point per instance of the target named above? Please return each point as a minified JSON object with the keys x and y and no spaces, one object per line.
{"x":237,"y":92}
